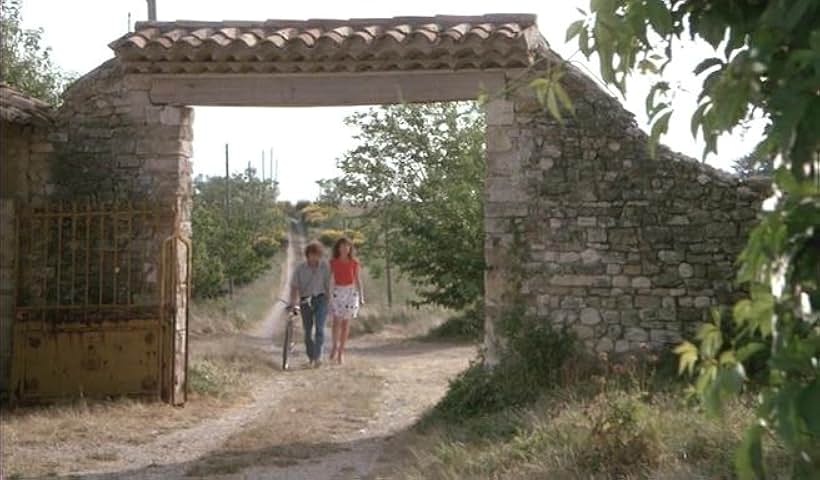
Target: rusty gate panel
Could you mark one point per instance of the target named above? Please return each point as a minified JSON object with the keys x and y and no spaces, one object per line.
{"x":90,"y":303}
{"x":111,"y":358}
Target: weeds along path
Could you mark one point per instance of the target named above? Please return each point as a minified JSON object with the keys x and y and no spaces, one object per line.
{"x":327,"y":423}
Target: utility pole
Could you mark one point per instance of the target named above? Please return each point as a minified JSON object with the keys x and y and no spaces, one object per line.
{"x":263,"y":166}
{"x":387,"y":269}
{"x":129,"y":22}
{"x":228,"y":206}
{"x":152,"y":10}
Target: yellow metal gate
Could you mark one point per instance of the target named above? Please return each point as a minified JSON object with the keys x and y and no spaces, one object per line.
{"x":102,"y":297}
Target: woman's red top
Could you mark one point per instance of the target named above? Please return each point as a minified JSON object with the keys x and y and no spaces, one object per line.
{"x":344,"y":271}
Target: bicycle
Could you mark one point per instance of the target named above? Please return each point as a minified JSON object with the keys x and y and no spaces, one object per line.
{"x":289,"y":342}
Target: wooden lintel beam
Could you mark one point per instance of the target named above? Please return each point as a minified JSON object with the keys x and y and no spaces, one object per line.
{"x":309,"y":90}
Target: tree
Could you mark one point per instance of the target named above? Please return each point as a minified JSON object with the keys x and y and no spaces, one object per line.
{"x":418,"y":173}
{"x":26,"y":63}
{"x":754,"y":163}
{"x":234,"y":244}
{"x":766,"y":64}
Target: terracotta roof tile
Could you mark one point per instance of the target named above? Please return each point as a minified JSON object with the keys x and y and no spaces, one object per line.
{"x":322,"y":45}
{"x":17,"y":107}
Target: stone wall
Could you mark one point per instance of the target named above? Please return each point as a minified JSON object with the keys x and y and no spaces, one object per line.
{"x":590,"y":232}
{"x":113,"y":143}
{"x":24,"y":155}
{"x":26,"y":151}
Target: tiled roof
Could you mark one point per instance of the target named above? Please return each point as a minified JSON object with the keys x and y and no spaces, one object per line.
{"x":291,"y":46}
{"x":17,"y":107}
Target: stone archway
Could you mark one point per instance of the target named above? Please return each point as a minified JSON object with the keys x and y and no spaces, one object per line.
{"x":582,"y":228}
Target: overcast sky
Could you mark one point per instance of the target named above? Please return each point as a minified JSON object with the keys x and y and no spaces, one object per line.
{"x":306,"y":141}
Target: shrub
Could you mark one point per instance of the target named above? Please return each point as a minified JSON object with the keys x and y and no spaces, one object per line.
{"x":619,"y":444}
{"x":329,"y":236}
{"x":205,"y":378}
{"x":208,"y":272}
{"x":467,"y":325}
{"x":532,"y":365}
{"x":266,"y":246}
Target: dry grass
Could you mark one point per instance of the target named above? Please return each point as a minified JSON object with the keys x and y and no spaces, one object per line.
{"x":84,"y":435}
{"x":248,"y":305}
{"x":71,"y":437}
{"x":598,"y":427}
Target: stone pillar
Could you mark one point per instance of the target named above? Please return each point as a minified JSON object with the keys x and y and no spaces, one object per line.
{"x":505,"y":206}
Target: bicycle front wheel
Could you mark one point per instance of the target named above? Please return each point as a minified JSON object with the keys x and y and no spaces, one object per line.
{"x":286,"y":344}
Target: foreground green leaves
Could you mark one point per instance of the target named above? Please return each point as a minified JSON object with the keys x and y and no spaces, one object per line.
{"x":766,"y":64}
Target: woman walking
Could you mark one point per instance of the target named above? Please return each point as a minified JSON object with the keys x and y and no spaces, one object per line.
{"x":346,"y":294}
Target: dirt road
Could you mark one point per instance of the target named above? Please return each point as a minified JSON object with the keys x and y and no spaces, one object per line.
{"x":327,"y":423}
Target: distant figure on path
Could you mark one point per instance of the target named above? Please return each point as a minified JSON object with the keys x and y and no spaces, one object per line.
{"x":310,"y":287}
{"x":346,"y":294}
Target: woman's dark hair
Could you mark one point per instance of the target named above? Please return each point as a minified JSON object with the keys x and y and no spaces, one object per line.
{"x":337,"y":246}
{"x":314,"y":247}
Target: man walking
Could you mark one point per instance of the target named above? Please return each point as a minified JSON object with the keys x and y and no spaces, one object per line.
{"x":309,"y":286}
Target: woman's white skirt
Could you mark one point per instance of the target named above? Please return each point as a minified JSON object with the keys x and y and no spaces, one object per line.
{"x":344,"y":302}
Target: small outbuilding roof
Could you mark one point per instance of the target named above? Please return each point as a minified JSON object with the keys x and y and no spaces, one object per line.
{"x":17,"y":107}
{"x":313,"y":46}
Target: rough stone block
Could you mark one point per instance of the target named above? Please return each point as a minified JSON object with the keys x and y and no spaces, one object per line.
{"x":636,"y":334}
{"x":590,"y":316}
{"x":505,"y":189}
{"x":569,"y":257}
{"x":498,"y":139}
{"x":669,"y":256}
{"x":584,"y":332}
{"x":664,"y":337}
{"x":169,"y":115}
{"x":580,"y":280}
{"x":604,"y":345}
{"x":702,"y":302}
{"x":596,"y":235}
{"x":685,"y":270}
{"x":590,"y":256}
{"x":503,"y":163}
{"x":641,"y":282}
{"x":499,"y":111}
